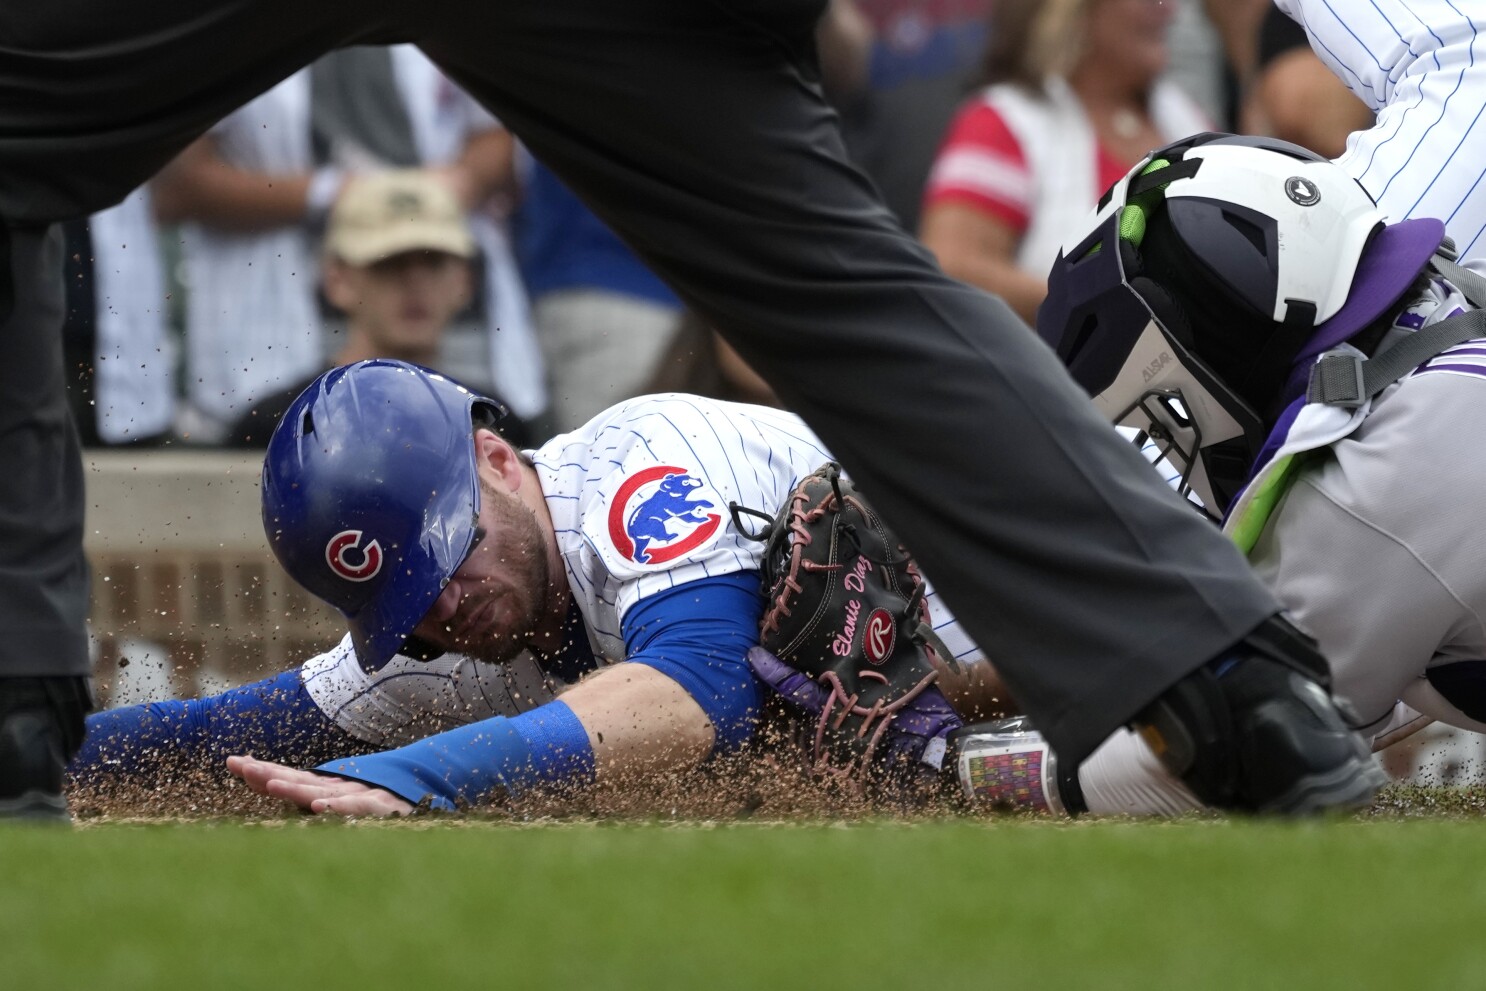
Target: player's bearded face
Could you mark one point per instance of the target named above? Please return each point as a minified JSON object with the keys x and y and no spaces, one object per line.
{"x":502,"y":589}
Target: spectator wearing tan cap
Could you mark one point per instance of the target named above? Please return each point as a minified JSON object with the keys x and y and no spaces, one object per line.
{"x":249,"y":201}
{"x":397,"y":263}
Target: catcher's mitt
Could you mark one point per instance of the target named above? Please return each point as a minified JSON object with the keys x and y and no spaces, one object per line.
{"x":845,"y":607}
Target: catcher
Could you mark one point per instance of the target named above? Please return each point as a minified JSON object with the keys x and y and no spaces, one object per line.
{"x":1314,"y":378}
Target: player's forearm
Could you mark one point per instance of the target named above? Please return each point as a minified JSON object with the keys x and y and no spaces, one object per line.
{"x":640,"y":721}
{"x":685,"y":691}
{"x":626,"y":720}
{"x":461,"y":767}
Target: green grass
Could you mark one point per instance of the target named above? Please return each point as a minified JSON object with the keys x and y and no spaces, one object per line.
{"x":1396,"y":903}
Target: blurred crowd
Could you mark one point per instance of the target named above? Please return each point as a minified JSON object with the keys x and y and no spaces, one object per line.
{"x":367,"y":207}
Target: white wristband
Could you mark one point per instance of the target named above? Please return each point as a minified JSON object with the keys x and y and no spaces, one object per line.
{"x":325,"y":186}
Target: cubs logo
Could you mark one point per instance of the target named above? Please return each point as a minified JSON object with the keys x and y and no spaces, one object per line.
{"x":879,"y":636}
{"x":345,"y":565}
{"x":658,"y":515}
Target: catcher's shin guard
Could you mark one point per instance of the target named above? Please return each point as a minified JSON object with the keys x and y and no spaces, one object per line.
{"x":41,"y":727}
{"x":1006,"y":763}
{"x":1258,"y":730}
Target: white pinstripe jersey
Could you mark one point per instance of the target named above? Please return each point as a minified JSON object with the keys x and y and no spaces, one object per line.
{"x":1421,"y":65}
{"x":639,"y":502}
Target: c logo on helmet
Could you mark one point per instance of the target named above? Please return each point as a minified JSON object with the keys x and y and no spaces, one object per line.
{"x":335,"y":556}
{"x":879,"y":636}
{"x":1302,"y":191}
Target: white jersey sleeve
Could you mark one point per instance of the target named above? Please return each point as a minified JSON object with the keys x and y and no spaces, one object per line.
{"x":407,"y":700}
{"x":1421,"y":65}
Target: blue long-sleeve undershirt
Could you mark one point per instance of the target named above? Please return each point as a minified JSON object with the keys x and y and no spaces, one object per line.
{"x":274,"y":719}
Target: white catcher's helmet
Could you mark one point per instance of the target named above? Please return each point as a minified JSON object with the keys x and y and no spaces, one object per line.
{"x":1183,"y":303}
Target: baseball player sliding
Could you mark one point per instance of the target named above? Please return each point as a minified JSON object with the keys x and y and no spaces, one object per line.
{"x":1422,"y":55}
{"x":765,"y":230}
{"x":614,"y":543}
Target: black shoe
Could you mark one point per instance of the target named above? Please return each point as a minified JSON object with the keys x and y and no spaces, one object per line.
{"x":1260,"y":731}
{"x":41,"y":727}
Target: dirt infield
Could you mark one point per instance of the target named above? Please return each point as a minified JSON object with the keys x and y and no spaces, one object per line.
{"x":745,"y":787}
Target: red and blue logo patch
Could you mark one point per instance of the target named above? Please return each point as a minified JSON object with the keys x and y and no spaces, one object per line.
{"x":660,"y":514}
{"x":350,"y":561}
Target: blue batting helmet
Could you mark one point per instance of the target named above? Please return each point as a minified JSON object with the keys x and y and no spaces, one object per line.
{"x":371,"y":493}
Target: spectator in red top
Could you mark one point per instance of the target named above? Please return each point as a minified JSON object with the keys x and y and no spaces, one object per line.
{"x":1072,"y":100}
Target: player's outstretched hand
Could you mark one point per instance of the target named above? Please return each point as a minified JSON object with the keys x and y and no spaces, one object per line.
{"x":317,"y":793}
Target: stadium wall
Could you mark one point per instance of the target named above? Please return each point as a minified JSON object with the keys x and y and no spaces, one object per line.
{"x":185,"y":590}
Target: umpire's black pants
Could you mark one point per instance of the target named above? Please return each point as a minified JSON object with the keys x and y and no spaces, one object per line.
{"x":695,"y":129}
